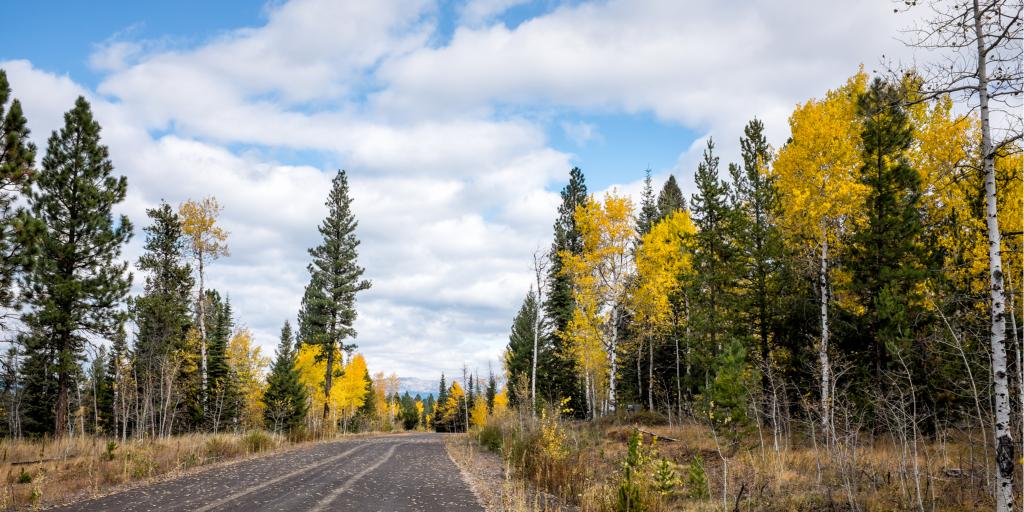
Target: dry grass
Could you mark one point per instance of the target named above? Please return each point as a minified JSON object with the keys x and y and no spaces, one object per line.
{"x":873,"y":474}
{"x":48,"y":472}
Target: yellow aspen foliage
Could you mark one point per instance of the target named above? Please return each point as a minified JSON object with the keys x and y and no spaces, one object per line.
{"x":419,"y":414}
{"x":661,"y":259}
{"x":500,"y":406}
{"x":311,"y":374}
{"x":351,"y":388}
{"x":456,"y":398}
{"x":478,"y":415}
{"x":199,"y":223}
{"x":601,"y":275}
{"x":248,"y":366}
{"x":818,"y":171}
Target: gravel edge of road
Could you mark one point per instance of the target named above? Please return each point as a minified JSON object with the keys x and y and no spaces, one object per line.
{"x":484,"y":471}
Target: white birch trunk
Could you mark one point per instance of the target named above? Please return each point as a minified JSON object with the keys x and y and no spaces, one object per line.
{"x":826,"y":369}
{"x":1005,"y":459}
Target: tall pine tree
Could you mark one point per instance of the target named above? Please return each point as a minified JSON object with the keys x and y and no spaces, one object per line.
{"x":77,"y":284}
{"x":329,"y":310}
{"x":559,"y":370}
{"x":887,"y":257}
{"x":17,"y":160}
{"x":762,"y":252}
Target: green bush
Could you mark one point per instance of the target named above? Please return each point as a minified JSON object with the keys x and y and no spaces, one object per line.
{"x":220,"y":448}
{"x":490,"y":437}
{"x":697,"y":480}
{"x":24,"y":477}
{"x":111,"y":446}
{"x":629,"y":497}
{"x":257,"y":441}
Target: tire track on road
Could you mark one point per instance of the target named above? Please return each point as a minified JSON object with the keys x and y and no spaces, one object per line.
{"x":324,"y":503}
{"x":241,"y":494}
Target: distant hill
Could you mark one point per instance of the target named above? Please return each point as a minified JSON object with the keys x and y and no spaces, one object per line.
{"x":415,"y":386}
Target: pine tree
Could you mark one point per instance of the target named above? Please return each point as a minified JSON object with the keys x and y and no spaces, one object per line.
{"x":492,"y":390}
{"x":17,"y":159}
{"x":222,"y":395}
{"x":670,"y":199}
{"x":285,"y":397}
{"x":329,"y":309}
{"x":162,"y":313}
{"x":76,"y":285}
{"x":763,"y":253}
{"x":714,"y":251}
{"x":887,"y":257}
{"x":559,"y":373}
{"x":648,"y":214}
{"x":519,"y":351}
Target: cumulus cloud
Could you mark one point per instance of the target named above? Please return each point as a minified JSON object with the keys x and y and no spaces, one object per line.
{"x":454,"y":179}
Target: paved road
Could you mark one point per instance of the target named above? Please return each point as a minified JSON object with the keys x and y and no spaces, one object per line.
{"x":389,"y":473}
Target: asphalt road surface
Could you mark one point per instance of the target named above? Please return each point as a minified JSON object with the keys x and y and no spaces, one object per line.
{"x":409,"y":472}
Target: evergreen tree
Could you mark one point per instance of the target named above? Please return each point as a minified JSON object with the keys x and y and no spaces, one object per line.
{"x":648,"y":214}
{"x":714,"y":253}
{"x":442,"y":397}
{"x":76,"y":284}
{"x":887,"y":257}
{"x":492,"y":391}
{"x":222,"y":393}
{"x":162,"y":313}
{"x":329,"y":309}
{"x":559,"y":367}
{"x":285,"y":397}
{"x":519,"y":352}
{"x":762,"y":252}
{"x":17,"y":158}
{"x":671,"y":198}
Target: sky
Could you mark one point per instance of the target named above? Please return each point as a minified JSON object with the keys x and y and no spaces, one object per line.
{"x":457,"y":122}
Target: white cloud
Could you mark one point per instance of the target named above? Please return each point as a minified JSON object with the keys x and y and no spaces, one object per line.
{"x":452,"y":193}
{"x":580,"y":133}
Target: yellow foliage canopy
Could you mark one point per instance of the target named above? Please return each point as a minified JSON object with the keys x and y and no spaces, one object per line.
{"x":248,"y":366}
{"x":662,"y":257}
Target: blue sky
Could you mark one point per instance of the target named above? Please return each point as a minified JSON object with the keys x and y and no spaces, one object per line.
{"x":458,"y":121}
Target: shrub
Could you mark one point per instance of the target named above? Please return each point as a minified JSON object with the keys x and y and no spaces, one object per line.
{"x":24,"y":477}
{"x":696,"y":479}
{"x":490,"y":437}
{"x":665,"y":479}
{"x":629,"y":497}
{"x":257,"y":441}
{"x":111,"y":446}
{"x":218,"y":448}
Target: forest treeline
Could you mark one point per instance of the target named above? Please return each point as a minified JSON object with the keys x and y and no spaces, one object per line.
{"x":87,"y":357}
{"x":836,"y":285}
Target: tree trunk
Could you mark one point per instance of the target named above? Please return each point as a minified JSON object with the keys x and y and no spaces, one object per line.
{"x":328,"y":381}
{"x":826,"y":370}
{"x":533,"y":369}
{"x":650,"y":374}
{"x":612,"y":349}
{"x":201,"y":302}
{"x":1003,"y":435}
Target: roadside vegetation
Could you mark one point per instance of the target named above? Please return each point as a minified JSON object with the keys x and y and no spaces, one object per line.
{"x":641,"y":463}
